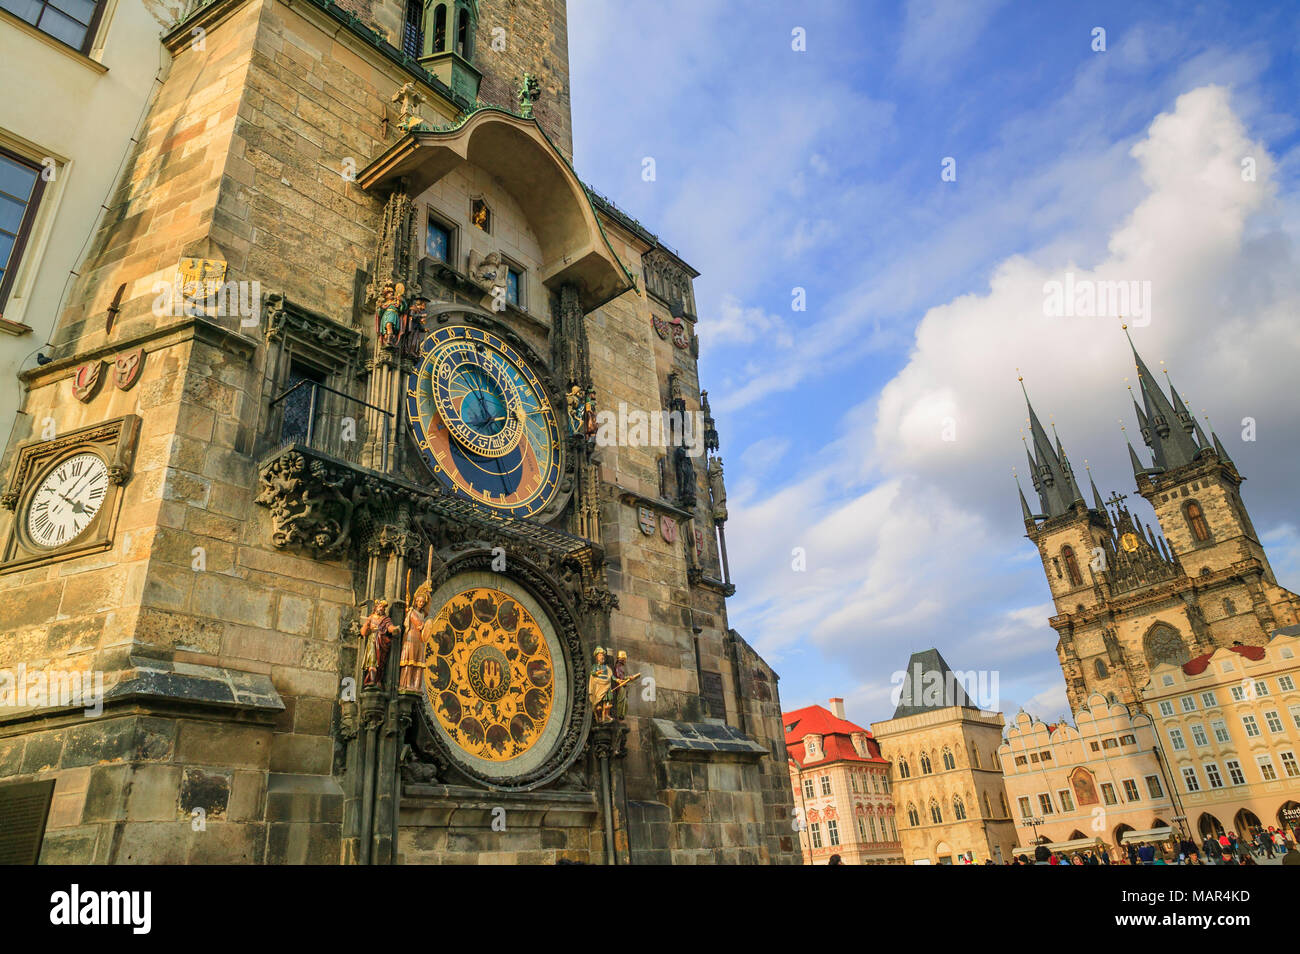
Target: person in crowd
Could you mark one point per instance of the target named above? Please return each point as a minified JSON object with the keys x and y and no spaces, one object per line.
{"x":1292,"y":856}
{"x":1146,"y":854}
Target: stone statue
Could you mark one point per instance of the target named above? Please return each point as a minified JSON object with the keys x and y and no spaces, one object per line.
{"x":576,"y":406}
{"x":485,"y":269}
{"x":409,"y":98}
{"x":413,"y":327}
{"x":599,"y":686}
{"x":388,"y":313}
{"x":620,"y":686}
{"x":589,"y":414}
{"x":412,"y":660}
{"x":717,"y":490}
{"x":685,"y":471}
{"x":377,"y":631}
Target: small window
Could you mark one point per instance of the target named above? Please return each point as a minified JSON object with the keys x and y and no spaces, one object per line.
{"x":936,"y":813}
{"x":1131,"y":790}
{"x":1252,"y":727}
{"x":926,"y":768}
{"x":1167,"y":679}
{"x":904,"y":771}
{"x":1235,"y":774}
{"x":1176,"y":739}
{"x":1285,"y":683}
{"x":440,"y":28}
{"x":21,"y":185}
{"x":1021,"y":760}
{"x":1100,"y":667}
{"x":913,"y":816}
{"x":1153,"y":787}
{"x":1190,"y":780}
{"x":833,"y":831}
{"x":958,"y":808}
{"x":949,"y":763}
{"x":437,"y":243}
{"x":1189,"y":704}
{"x":1220,"y":730}
{"x":1261,"y":688}
{"x":1289,"y":764}
{"x":1072,"y":566}
{"x":826,"y":784}
{"x":413,"y":29}
{"x":1128,"y":740}
{"x":808,"y":791}
{"x":1274,"y":722}
{"x":1199,"y":736}
{"x":1266,"y":770}
{"x":481,"y":215}
{"x":1166,"y":708}
{"x":1108,"y":793}
{"x":1110,"y":743}
{"x":1209,"y":700}
{"x":1196,"y":521}
{"x":1212,"y":775}
{"x":1066,"y":800}
{"x":513,"y":284}
{"x":1044,"y":803}
{"x":1025,"y":810}
{"x":816,"y":830}
{"x":68,"y":21}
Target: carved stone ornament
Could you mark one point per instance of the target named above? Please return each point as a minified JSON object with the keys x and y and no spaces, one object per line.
{"x":85,"y":380}
{"x":668,"y":526}
{"x":646,"y":520}
{"x":198,"y":282}
{"x":285,"y":319}
{"x":408,"y":99}
{"x":126,"y":369}
{"x":660,"y":326}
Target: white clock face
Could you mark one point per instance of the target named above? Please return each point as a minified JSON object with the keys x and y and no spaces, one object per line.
{"x":67,"y":500}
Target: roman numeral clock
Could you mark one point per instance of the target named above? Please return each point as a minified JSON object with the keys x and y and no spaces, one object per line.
{"x":65,"y":493}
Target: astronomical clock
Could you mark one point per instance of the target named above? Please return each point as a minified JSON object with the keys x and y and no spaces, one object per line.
{"x":503,"y":690}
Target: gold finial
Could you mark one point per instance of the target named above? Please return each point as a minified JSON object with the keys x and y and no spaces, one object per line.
{"x":1020,"y":377}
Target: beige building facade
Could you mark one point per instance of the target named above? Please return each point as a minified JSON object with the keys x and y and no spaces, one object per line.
{"x":841,"y":788}
{"x":1097,"y":784}
{"x":1229,"y":722}
{"x":77,"y":81}
{"x":947,"y":785}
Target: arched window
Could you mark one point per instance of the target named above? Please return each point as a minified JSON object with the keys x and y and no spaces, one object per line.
{"x":958,"y":808}
{"x":903,"y":770}
{"x":1072,"y":566}
{"x":1006,"y":812}
{"x":975,"y":755}
{"x":1196,"y":521}
{"x":1101,"y":669}
{"x":936,"y":813}
{"x":913,"y":816}
{"x":949,"y":763}
{"x":988,"y":809}
{"x":413,"y":29}
{"x":926,"y":768}
{"x":1229,"y":607}
{"x":439,"y":29}
{"x":464,"y":36}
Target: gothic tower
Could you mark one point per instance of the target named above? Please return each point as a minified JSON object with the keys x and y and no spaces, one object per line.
{"x":319,"y":479}
{"x":1128,"y":597}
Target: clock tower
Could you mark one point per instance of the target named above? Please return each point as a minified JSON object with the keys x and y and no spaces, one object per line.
{"x":318,"y":479}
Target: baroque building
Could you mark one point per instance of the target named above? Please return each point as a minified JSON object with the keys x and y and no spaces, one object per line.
{"x":319,"y":476}
{"x":841,"y":789}
{"x":1101,"y":783}
{"x":1229,"y":722}
{"x":1130,"y":597}
{"x":949,"y":799}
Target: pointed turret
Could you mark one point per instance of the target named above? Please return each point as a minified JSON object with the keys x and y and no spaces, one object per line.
{"x":1057,"y":490}
{"x":1218,"y":449}
{"x":1024,"y":504}
{"x":1167,"y":429}
{"x":1138,"y":469}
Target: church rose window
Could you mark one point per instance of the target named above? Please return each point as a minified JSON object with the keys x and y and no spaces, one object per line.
{"x":1162,"y":644}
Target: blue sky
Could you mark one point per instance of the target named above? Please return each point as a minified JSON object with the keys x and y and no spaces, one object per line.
{"x":820,"y":169}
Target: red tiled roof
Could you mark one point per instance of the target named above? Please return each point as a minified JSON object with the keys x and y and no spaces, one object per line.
{"x":1194,"y":667}
{"x":835,"y":732}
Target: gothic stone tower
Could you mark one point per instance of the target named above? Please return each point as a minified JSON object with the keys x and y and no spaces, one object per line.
{"x":345,"y":337}
{"x":1127,"y":598}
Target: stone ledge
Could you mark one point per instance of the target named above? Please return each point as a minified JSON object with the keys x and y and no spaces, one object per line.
{"x":711,"y":740}
{"x":191,"y":682}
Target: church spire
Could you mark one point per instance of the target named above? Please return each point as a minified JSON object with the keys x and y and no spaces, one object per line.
{"x":1166,"y":429}
{"x":1053,"y":479}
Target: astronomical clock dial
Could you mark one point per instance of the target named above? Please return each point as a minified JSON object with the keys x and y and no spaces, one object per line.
{"x":482,"y":420}
{"x":67,"y":500}
{"x":497,"y":681}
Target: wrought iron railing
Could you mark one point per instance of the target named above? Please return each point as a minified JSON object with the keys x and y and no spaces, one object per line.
{"x":338,"y":424}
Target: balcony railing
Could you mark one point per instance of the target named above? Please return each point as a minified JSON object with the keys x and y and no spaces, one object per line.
{"x":334,"y":423}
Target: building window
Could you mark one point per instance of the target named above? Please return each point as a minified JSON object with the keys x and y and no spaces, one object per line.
{"x":1190,"y":780}
{"x":1196,"y":521}
{"x":826,"y":784}
{"x":1006,"y":812}
{"x":1166,"y":708}
{"x":1153,"y":786}
{"x":1212,"y":775}
{"x":1128,"y":740}
{"x":1095,"y":746}
{"x":1252,"y":727}
{"x":833,"y":832}
{"x":1285,"y":684}
{"x":68,"y":21}
{"x":1176,"y":738}
{"x":1108,"y":793}
{"x":1295,"y":715}
{"x":816,"y":830}
{"x":21,"y":185}
{"x":464,"y":37}
{"x":1100,"y":667}
{"x":925,"y":764}
{"x":1072,"y":566}
{"x":949,"y":763}
{"x":413,"y":29}
{"x":1025,"y":810}
{"x":437,"y":243}
{"x":1189,"y":704}
{"x":513,"y":283}
{"x":1021,"y":760}
{"x":1289,"y":764}
{"x":913,"y":816}
{"x":808,"y":788}
{"x":958,"y":808}
{"x":903,"y":770}
{"x":1274,"y":721}
{"x":936,"y":813}
{"x":1220,"y":730}
{"x":302,"y":408}
{"x":1261,"y":688}
{"x":1229,"y":608}
{"x":1266,"y":770}
{"x":1198,"y":735}
{"x":1044,"y":803}
{"x":853,"y":783}
{"x":974,"y":756}
{"x":862,"y":829}
{"x":1131,"y":790}
{"x":988,"y":807}
{"x":1110,"y":743}
{"x":1066,"y":800}
{"x":1238,"y":693}
{"x":1235,"y":774}
{"x":1209,"y":700}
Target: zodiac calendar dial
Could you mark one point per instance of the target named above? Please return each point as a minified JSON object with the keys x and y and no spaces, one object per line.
{"x":482,"y":420}
{"x":491,"y":676}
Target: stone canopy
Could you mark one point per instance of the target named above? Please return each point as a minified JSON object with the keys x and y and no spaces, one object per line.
{"x":519,"y":155}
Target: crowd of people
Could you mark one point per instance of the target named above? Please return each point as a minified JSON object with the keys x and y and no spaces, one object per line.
{"x":1226,"y":849}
